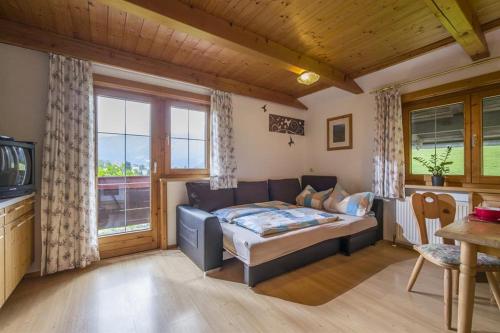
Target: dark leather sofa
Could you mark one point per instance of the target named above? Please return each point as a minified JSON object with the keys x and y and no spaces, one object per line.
{"x":199,"y":234}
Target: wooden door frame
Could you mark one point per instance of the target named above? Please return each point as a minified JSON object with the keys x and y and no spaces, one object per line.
{"x":132,"y":242}
{"x":163,"y":98}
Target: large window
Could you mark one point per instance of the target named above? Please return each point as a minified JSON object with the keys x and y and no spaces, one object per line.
{"x":490,"y":128}
{"x":433,"y":130}
{"x":188,"y":139}
{"x":469,"y":123}
{"x":123,"y":167}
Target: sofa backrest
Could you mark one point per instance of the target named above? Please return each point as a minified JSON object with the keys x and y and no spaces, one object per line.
{"x":251,"y":192}
{"x":319,"y":183}
{"x":285,"y":190}
{"x":201,"y":196}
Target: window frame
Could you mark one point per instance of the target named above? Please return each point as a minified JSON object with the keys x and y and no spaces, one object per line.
{"x":473,"y":90}
{"x":477,"y":130}
{"x":141,"y":240}
{"x":168,"y":105}
{"x":159,"y":96}
{"x":408,"y":108}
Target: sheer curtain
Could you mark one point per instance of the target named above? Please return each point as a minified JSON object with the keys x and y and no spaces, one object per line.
{"x":388,"y":160}
{"x":222,"y":161}
{"x":68,"y":216}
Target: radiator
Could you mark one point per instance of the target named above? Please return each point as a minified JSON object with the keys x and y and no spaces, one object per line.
{"x":407,"y":226}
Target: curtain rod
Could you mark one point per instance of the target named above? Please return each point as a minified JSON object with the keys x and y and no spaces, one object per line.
{"x":405,"y":83}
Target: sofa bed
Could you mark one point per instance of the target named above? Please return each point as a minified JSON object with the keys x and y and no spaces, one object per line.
{"x":203,"y":237}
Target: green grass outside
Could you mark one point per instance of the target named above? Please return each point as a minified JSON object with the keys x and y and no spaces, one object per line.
{"x":491,"y":160}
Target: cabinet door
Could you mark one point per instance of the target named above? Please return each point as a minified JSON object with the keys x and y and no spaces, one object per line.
{"x":25,"y":245}
{"x":11,"y":259}
{"x":2,"y":266}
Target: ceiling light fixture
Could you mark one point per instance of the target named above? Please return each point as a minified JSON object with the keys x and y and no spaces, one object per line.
{"x":307,"y":78}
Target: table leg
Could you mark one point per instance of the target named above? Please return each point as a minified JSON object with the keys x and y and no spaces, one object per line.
{"x":468,"y":262}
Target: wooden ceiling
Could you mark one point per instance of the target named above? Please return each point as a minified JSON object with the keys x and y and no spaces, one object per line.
{"x":252,"y":47}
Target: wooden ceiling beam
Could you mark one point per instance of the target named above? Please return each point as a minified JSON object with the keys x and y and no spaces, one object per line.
{"x":485,"y":27}
{"x":458,"y":17}
{"x":196,"y":22}
{"x":41,"y":40}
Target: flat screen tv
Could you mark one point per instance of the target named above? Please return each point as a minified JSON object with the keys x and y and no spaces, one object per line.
{"x":17,"y":168}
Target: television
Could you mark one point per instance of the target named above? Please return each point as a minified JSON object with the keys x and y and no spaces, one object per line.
{"x":17,"y":168}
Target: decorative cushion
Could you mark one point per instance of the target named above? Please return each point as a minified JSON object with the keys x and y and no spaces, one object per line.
{"x":251,"y":192}
{"x":310,"y":198}
{"x":450,"y":255}
{"x":340,"y":201}
{"x":285,"y":190}
{"x":202,"y":197}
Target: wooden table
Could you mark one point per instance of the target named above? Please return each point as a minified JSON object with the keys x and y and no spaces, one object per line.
{"x":474,"y":237}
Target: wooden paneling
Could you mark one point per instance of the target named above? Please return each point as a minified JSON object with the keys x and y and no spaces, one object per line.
{"x":200,"y":24}
{"x":16,"y":243}
{"x":2,"y":265}
{"x":356,"y":36}
{"x":353,"y":37}
{"x":24,"y":36}
{"x":459,"y":18}
{"x":2,"y":217}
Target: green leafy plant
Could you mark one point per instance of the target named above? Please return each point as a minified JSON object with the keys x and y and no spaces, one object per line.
{"x":437,"y":165}
{"x":108,"y":169}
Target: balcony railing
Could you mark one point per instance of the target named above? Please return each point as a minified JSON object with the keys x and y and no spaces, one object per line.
{"x":123,"y":204}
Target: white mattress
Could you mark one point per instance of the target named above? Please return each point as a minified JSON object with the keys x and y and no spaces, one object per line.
{"x":253,"y":249}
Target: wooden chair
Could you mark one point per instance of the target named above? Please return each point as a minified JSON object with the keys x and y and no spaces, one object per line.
{"x":442,"y":207}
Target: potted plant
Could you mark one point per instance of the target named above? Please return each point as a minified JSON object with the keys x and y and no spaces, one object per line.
{"x":437,"y":165}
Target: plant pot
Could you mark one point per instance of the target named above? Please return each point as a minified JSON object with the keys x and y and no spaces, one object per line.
{"x":437,"y":180}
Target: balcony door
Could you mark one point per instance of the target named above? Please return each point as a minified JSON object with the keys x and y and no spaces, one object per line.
{"x":126,"y":166}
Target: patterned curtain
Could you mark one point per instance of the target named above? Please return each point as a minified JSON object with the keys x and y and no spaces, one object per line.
{"x":388,"y":160}
{"x":222,"y":162}
{"x":69,"y":226}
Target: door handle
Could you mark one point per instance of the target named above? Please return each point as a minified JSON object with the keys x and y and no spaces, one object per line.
{"x":155,"y":167}
{"x":474,"y":140}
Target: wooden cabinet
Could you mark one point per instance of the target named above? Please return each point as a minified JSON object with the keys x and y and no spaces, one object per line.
{"x":2,"y":266}
{"x":16,"y":245}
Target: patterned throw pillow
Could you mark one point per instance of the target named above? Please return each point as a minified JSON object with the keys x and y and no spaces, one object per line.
{"x":340,"y":201}
{"x":310,"y":198}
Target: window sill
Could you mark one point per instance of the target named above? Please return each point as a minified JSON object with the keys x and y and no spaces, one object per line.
{"x":469,"y":188}
{"x":178,"y":178}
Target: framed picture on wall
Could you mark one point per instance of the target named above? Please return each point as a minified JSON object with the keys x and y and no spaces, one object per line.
{"x":339,"y":132}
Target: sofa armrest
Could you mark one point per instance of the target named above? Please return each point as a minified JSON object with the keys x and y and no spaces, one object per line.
{"x":378,"y":209}
{"x":199,"y":236}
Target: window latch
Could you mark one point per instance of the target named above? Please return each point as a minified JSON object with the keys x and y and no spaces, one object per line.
{"x":474,"y":140}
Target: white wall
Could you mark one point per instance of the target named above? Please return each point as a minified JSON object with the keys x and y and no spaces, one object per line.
{"x":354,"y":167}
{"x":260,"y":154}
{"x":23,"y":102}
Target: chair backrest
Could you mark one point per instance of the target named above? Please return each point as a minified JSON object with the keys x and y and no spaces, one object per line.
{"x":433,"y":206}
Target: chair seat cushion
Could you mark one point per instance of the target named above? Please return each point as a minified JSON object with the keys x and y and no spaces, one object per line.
{"x":450,"y":255}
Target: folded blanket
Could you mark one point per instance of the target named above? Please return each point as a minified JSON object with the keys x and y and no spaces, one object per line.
{"x":228,"y":214}
{"x":274,"y":221}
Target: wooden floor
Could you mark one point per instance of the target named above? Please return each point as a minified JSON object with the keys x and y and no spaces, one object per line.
{"x":162,"y":291}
